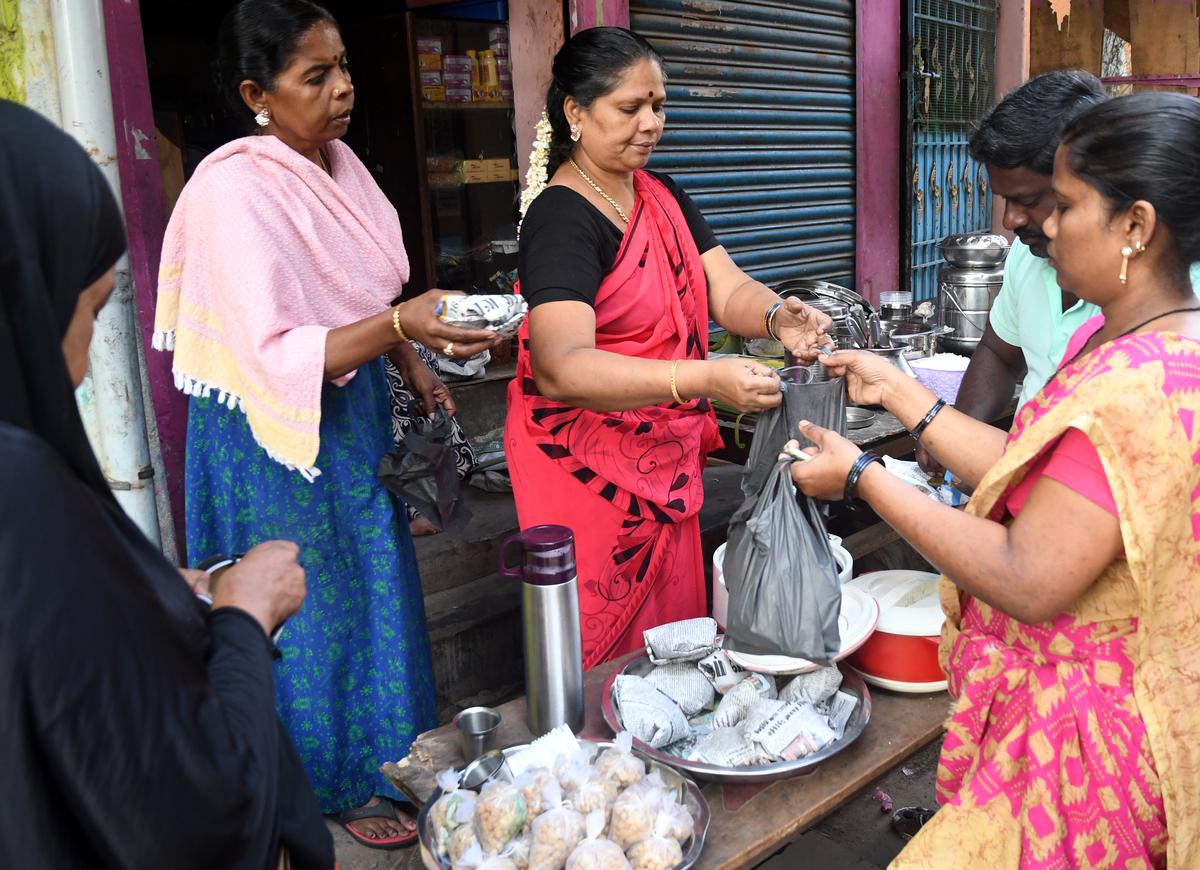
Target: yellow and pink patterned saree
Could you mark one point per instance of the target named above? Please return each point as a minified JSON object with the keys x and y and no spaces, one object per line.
{"x":1076,"y":742}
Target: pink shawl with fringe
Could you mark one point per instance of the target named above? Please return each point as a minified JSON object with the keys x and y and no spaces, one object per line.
{"x":264,"y":254}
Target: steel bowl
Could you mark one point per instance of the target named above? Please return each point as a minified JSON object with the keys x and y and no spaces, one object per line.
{"x":917,"y":337}
{"x":852,"y":683}
{"x":974,"y":250}
{"x":683,"y":786}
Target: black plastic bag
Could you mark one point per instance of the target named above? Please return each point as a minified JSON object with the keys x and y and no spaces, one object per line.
{"x":782,"y":577}
{"x":423,"y":472}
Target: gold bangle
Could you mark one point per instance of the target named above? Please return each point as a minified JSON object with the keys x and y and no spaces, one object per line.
{"x":396,"y":324}
{"x":674,"y":388}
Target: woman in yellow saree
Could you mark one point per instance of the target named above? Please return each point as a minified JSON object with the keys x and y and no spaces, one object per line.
{"x":1072,"y":581}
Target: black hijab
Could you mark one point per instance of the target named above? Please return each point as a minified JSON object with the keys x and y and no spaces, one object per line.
{"x":62,"y":230}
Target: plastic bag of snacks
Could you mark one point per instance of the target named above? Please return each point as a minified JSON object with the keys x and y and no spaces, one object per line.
{"x":518,"y":851}
{"x":537,"y":786}
{"x":675,"y":819}
{"x":573,"y":769}
{"x":499,"y":816}
{"x":453,"y":809}
{"x":653,"y":717}
{"x":592,"y":796}
{"x":460,"y":843}
{"x":684,"y":684}
{"x":813,"y":687}
{"x":659,"y":851}
{"x":475,"y":859}
{"x":738,"y":700}
{"x":554,"y":835}
{"x":597,"y":854}
{"x":633,"y":815}
{"x":619,"y":764}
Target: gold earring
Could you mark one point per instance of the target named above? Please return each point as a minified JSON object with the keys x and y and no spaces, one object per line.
{"x":1126,"y":253}
{"x":1140,"y":247}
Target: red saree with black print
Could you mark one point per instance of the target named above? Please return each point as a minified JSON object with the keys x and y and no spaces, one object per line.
{"x":627,"y":483}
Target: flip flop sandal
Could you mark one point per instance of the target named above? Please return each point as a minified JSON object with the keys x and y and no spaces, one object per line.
{"x":385,"y":809}
{"x":908,"y":820}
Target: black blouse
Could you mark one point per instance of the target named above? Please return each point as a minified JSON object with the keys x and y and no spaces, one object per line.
{"x":568,"y":245}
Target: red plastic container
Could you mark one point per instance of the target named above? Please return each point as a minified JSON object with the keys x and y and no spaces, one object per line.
{"x":904,"y":648}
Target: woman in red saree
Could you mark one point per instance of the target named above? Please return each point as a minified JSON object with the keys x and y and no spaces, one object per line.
{"x":1072,"y":581}
{"x":609,"y":418}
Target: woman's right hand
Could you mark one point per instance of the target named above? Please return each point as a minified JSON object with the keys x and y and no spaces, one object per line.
{"x":869,"y":378}
{"x":747,"y":386}
{"x":268,"y":583}
{"x":420,"y":322}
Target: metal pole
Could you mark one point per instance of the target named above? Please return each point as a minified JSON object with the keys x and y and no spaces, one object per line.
{"x":111,"y":396}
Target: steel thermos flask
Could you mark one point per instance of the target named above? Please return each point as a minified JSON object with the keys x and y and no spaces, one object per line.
{"x":543,"y":558}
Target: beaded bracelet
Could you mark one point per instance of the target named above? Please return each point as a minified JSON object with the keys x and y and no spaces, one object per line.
{"x":856,"y":471}
{"x":920,"y":428}
{"x":674,"y":387}
{"x":769,"y":320}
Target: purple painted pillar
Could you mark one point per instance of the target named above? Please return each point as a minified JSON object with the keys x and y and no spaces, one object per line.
{"x":597,"y":13}
{"x":877,"y":138}
{"x":145,"y":223}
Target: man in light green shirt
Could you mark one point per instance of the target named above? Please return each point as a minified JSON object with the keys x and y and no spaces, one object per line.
{"x":1032,"y":318}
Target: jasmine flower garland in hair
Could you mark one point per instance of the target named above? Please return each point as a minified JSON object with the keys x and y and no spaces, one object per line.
{"x":535,"y":177}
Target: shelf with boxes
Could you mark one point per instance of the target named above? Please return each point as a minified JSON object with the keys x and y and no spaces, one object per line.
{"x":482,"y":75}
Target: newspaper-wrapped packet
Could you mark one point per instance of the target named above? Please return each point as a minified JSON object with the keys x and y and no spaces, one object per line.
{"x":651,"y":716}
{"x":727,"y":747}
{"x":738,"y":700}
{"x":815,"y":687}
{"x":684,"y":684}
{"x":837,"y":711}
{"x":796,"y":730}
{"x":721,"y":672}
{"x":500,"y":313}
{"x":688,"y":640}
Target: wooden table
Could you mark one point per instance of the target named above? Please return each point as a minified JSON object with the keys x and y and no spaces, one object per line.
{"x":749,"y":823}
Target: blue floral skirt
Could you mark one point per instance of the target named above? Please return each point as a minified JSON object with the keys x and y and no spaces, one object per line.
{"x":355,"y":685}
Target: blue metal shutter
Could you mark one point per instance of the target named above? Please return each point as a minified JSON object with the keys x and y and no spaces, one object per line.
{"x":760,"y":126}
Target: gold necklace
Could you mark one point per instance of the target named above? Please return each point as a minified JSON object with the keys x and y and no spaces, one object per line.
{"x":620,"y":211}
{"x":324,"y":162}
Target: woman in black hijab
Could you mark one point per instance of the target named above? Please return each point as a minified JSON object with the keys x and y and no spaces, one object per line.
{"x":137,"y":727}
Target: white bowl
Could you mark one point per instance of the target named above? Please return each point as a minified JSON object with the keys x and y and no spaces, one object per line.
{"x":721,"y":594}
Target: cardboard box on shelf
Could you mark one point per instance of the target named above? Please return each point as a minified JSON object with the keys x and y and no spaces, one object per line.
{"x":456,"y":80}
{"x":434,"y":94}
{"x":458,"y":95}
{"x":431,"y":78}
{"x":429,"y":45}
{"x":482,"y":171}
{"x":457,"y":63}
{"x":429,"y":62}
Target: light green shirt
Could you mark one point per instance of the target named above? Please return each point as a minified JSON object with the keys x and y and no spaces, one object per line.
{"x":1028,"y":314}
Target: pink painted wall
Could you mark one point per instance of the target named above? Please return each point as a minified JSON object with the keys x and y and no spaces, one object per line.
{"x":597,"y":13}
{"x":535,"y":33}
{"x":1012,"y":67}
{"x":877,"y":137}
{"x":145,"y":223}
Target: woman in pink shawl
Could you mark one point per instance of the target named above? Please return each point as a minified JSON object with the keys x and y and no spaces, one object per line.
{"x":609,"y":417}
{"x":279,"y":269}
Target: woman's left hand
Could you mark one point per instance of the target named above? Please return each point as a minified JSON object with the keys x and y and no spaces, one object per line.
{"x":199,"y":581}
{"x":425,"y":385}
{"x":802,"y":329}
{"x":823,"y":476}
